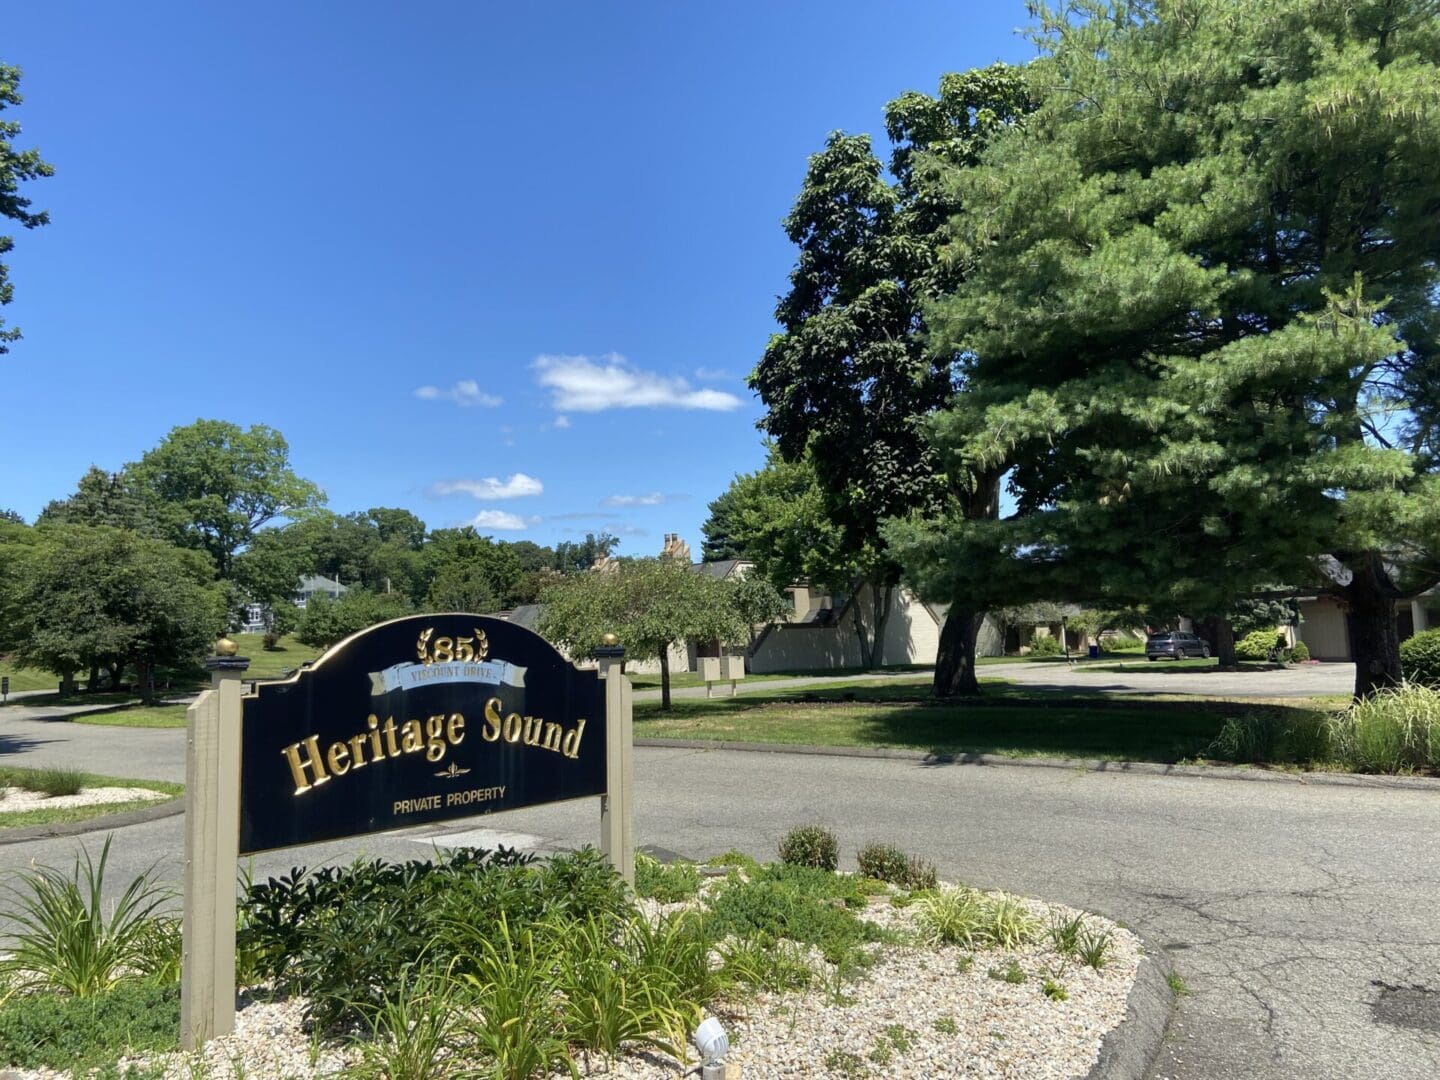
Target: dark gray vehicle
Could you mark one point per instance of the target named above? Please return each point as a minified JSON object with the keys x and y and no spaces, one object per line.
{"x":1176,"y":645}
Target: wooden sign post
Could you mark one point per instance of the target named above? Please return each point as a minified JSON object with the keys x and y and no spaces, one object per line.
{"x":423,"y":719}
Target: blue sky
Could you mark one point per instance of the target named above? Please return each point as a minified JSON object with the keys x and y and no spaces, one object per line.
{"x":496,"y":263}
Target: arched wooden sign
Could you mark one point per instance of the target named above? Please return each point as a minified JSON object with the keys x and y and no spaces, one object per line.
{"x":417,"y":720}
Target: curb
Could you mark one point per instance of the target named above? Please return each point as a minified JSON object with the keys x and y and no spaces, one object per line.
{"x":1094,"y":765}
{"x":96,"y":824}
{"x":1131,"y":1047}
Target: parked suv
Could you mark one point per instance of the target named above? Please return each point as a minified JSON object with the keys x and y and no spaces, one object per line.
{"x":1177,"y":646}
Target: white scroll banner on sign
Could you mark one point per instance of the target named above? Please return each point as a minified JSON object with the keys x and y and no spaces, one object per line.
{"x":409,"y":676}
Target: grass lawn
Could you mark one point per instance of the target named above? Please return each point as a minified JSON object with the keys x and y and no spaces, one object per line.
{"x":28,"y":678}
{"x":1011,"y":720}
{"x":156,"y":716}
{"x":25,"y":778}
{"x":271,"y":664}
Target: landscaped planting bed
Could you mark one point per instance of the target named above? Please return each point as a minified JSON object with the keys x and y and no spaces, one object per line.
{"x":486,"y":964}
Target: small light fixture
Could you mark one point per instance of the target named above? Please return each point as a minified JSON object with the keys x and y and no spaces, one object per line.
{"x":712,"y":1042}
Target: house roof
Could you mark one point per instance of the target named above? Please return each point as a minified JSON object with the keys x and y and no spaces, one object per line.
{"x":320,"y":583}
{"x":719,"y":568}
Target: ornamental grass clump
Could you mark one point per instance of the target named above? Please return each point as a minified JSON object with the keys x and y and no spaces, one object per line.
{"x":969,"y":918}
{"x":1392,"y":731}
{"x":67,"y":938}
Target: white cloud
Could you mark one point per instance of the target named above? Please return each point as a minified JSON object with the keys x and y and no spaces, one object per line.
{"x":501,"y":520}
{"x":653,"y":499}
{"x":464,"y":392}
{"x":583,"y":384}
{"x":491,"y":487}
{"x":711,"y":374}
{"x":562,"y":422}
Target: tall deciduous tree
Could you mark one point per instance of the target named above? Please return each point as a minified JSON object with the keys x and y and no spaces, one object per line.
{"x":650,"y":604}
{"x":850,"y":378}
{"x":1198,"y":290}
{"x":217,"y":483}
{"x":16,"y":168}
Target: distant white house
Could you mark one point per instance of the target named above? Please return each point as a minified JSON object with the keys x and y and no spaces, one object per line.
{"x":255,"y":621}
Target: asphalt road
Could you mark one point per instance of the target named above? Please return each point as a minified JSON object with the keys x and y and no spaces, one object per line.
{"x":1292,"y":910}
{"x":1165,"y":677}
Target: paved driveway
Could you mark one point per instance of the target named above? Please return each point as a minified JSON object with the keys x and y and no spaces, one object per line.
{"x":1292,"y":910}
{"x":1162,"y":677}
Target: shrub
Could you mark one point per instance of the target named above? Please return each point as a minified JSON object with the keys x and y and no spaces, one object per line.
{"x":810,"y":845}
{"x":1395,"y":730}
{"x":1420,"y":658}
{"x":59,"y":1031}
{"x":1257,"y":644}
{"x":1045,"y":645}
{"x":670,"y":884}
{"x":920,"y":875}
{"x":62,"y":938}
{"x":884,"y":862}
{"x":1300,"y":652}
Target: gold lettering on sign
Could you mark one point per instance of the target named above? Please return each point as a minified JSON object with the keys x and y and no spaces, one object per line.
{"x":442,"y":650}
{"x":310,"y":765}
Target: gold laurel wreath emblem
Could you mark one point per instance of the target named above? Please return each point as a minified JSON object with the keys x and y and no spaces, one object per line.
{"x":452,"y":772}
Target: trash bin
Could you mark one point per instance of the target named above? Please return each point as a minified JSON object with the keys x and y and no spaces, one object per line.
{"x":1094,"y":652}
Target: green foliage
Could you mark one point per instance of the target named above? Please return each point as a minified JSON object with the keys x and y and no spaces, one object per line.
{"x":884,"y":862}
{"x":759,"y":963}
{"x":1300,"y":653}
{"x":1257,"y":645}
{"x":810,"y":845}
{"x":734,"y":858}
{"x":66,"y":936}
{"x":77,"y":597}
{"x":413,"y":1028}
{"x":1045,"y":645}
{"x":670,"y":884}
{"x":1252,"y":737}
{"x":327,"y":621}
{"x":1054,"y":990}
{"x":1420,"y":658}
{"x":216,"y":484}
{"x":946,"y":1025}
{"x":517,"y":1025}
{"x":57,"y":1031}
{"x":796,"y":903}
{"x":1184,"y":289}
{"x":970,"y":918}
{"x":16,"y":167}
{"x":1392,"y":731}
{"x":1064,"y":934}
{"x":650,"y":604}
{"x":1094,"y":947}
{"x":1011,"y":973}
{"x":54,"y":780}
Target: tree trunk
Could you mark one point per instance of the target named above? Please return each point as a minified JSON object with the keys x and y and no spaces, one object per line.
{"x":92,"y":684}
{"x":145,"y":682}
{"x":955,"y":662}
{"x":664,"y":678}
{"x":1374,"y":642}
{"x":67,"y":682}
{"x":1222,"y":638}
{"x":857,"y":607}
{"x":117,"y":671}
{"x":882,"y":615}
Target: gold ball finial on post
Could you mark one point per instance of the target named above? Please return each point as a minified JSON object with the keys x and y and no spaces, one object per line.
{"x":225,"y":647}
{"x":609,"y":639}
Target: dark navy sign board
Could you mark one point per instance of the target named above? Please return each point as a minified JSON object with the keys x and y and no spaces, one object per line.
{"x":422,"y":719}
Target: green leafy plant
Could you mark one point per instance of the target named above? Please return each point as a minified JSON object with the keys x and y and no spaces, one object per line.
{"x":1011,"y":973}
{"x":884,"y":862}
{"x":810,"y":845}
{"x":1420,"y":658}
{"x":946,"y":1025}
{"x":796,"y":903}
{"x":1300,"y":653}
{"x":1064,"y":934}
{"x":967,"y":917}
{"x":1257,"y":644}
{"x":669,"y":884}
{"x":1254,"y":737}
{"x":517,"y":1023}
{"x":920,"y":875}
{"x":158,"y":950}
{"x":413,"y":1027}
{"x":1008,"y":922}
{"x":846,"y":1064}
{"x":604,"y":1004}
{"x":1045,"y":645}
{"x":1177,"y":984}
{"x":734,"y":858}
{"x":1054,"y":990}
{"x":672,"y":957}
{"x":46,"y":1030}
{"x":62,"y":938}
{"x":761,"y":964}
{"x":1094,"y":947}
{"x":1392,"y":731}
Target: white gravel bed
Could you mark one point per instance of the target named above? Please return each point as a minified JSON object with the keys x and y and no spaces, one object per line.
{"x":16,"y":798}
{"x":988,"y":1027}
